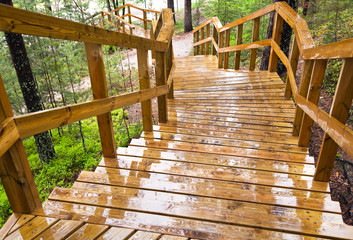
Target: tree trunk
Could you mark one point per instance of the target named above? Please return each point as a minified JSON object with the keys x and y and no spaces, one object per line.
{"x":171,"y":5}
{"x":29,"y":89}
{"x":109,"y":8}
{"x":187,"y":16}
{"x":285,"y":40}
{"x":305,"y":7}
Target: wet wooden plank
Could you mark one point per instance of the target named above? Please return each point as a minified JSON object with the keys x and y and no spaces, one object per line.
{"x":109,"y":178}
{"x":140,"y":235}
{"x":163,"y":224}
{"x":229,"y":212}
{"x":223,"y":142}
{"x":117,"y":233}
{"x":5,"y":229}
{"x":24,"y":218}
{"x":88,"y":232}
{"x":251,"y":176}
{"x":169,"y":237}
{"x":61,"y":230}
{"x":33,"y":228}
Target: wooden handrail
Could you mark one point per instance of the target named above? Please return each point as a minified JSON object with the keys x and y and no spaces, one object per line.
{"x":119,"y":18}
{"x":8,"y":135}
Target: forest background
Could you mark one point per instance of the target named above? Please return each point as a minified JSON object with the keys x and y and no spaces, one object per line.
{"x":61,"y":75}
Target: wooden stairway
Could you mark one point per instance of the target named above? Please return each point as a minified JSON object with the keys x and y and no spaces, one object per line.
{"x":225,"y":166}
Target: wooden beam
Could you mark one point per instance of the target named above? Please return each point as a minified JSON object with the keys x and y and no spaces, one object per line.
{"x":330,"y":51}
{"x":316,"y":80}
{"x":144,"y":79}
{"x":33,"y":123}
{"x":144,"y":19}
{"x":226,"y":44}
{"x":15,"y":172}
{"x":8,"y":135}
{"x":202,"y":46}
{"x":170,"y":59}
{"x":209,"y":39}
{"x":129,"y":12}
{"x":303,"y":91}
{"x":196,"y":40}
{"x":32,"y":23}
{"x":215,"y":38}
{"x":294,"y":57}
{"x":95,"y":62}
{"x":340,"y":110}
{"x":239,"y":42}
{"x":276,"y":36}
{"x":255,"y":37}
{"x":220,"y":45}
{"x":208,"y":35}
{"x":161,"y":79}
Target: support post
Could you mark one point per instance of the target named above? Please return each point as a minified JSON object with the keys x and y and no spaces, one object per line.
{"x":276,"y":36}
{"x":144,"y":79}
{"x":303,"y":91}
{"x":220,"y":45}
{"x":215,"y":37}
{"x":144,"y":19}
{"x":226,"y":44}
{"x":197,"y":48}
{"x":239,"y":42}
{"x":129,"y":12}
{"x":96,"y":69}
{"x":255,"y":37}
{"x":202,"y":47}
{"x":161,"y":79}
{"x":170,"y":57}
{"x":208,"y":32}
{"x":294,"y":57}
{"x":317,"y":77}
{"x":15,"y":172}
{"x":340,"y":110}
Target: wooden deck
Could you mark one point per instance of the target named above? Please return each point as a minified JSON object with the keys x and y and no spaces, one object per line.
{"x":225,"y":166}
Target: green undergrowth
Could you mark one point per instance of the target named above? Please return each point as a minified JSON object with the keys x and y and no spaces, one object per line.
{"x":71,"y":157}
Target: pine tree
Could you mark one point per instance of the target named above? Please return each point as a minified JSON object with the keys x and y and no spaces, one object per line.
{"x":187,"y":16}
{"x":171,"y":5}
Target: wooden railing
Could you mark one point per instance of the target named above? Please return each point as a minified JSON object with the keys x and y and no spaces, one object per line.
{"x":117,"y":20}
{"x":14,"y":168}
{"x":315,"y":61}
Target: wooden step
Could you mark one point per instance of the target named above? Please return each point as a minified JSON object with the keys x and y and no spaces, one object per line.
{"x":198,"y":208}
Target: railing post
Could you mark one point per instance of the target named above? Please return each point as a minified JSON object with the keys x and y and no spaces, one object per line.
{"x":170,"y":57}
{"x":317,"y":77}
{"x":161,"y":79}
{"x":95,"y":62}
{"x":294,"y":57}
{"x":208,"y":32}
{"x":129,"y":12}
{"x":226,"y":44}
{"x":339,"y":110}
{"x":215,"y":37}
{"x":202,"y":46}
{"x":144,"y":79}
{"x":255,"y":37}
{"x":220,"y":45}
{"x":303,"y":91}
{"x":239,"y":42}
{"x":15,"y":172}
{"x":276,"y":36}
{"x":197,"y":48}
{"x":144,"y":19}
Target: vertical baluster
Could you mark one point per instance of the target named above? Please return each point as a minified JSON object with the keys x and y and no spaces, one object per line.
{"x":215,"y":37}
{"x":202,"y":47}
{"x":96,"y":69}
{"x":316,"y":80}
{"x":129,"y":12}
{"x":340,"y":110}
{"x":276,"y":36}
{"x":161,"y":79}
{"x":156,"y":16}
{"x":15,"y":172}
{"x":226,"y":44}
{"x":255,"y":37}
{"x":197,"y":48}
{"x":294,"y":57}
{"x":208,"y":32}
{"x":170,"y":57}
{"x":239,"y":41}
{"x":303,"y":91}
{"x":144,"y":79}
{"x":144,"y":19}
{"x":220,"y":46}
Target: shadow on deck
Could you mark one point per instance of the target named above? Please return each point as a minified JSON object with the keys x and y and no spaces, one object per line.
{"x":225,"y":166}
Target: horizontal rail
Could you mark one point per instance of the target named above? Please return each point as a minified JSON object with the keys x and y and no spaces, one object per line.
{"x":252,"y":45}
{"x":8,"y":135}
{"x":25,"y":22}
{"x":330,"y":51}
{"x":119,"y":18}
{"x":209,"y":39}
{"x":34,"y":123}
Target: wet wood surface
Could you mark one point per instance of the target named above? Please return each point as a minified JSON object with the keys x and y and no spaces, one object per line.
{"x":225,"y":150}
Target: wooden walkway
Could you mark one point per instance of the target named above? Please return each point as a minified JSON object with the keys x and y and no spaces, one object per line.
{"x":225,"y":166}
